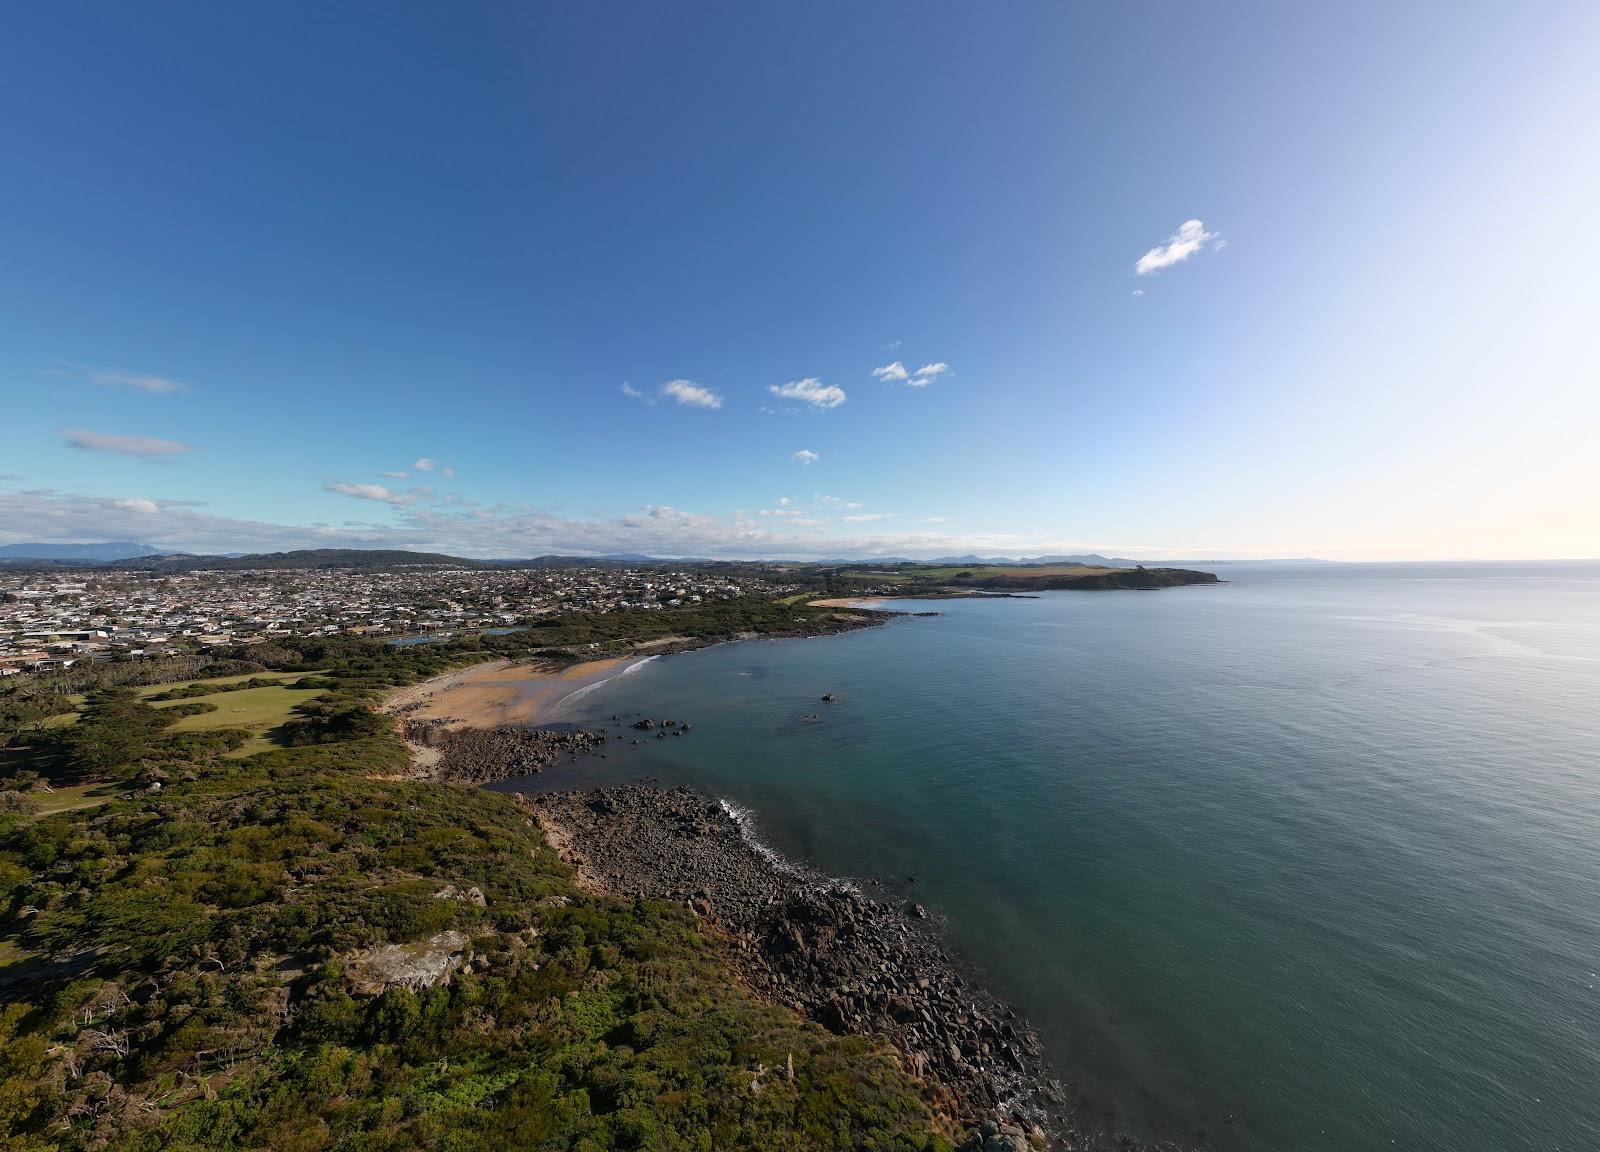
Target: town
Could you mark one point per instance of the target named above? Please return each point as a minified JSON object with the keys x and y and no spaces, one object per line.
{"x":50,"y":620}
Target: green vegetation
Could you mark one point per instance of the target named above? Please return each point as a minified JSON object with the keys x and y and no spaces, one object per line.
{"x":214,"y":686}
{"x":262,"y":712}
{"x":931,"y":580}
{"x":200,"y":966}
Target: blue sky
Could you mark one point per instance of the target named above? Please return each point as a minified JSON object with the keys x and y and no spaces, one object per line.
{"x":256,"y":259}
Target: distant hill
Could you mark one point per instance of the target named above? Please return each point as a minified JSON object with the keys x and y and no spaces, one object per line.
{"x":551,"y":561}
{"x":92,"y":553}
{"x":1089,"y":560}
{"x":302,"y":559}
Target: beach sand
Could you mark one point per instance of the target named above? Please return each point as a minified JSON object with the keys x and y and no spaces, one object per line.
{"x":852,"y":602}
{"x":499,"y":692}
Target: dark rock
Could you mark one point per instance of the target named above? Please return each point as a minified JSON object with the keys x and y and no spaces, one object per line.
{"x":483,"y":755}
{"x":853,"y":964}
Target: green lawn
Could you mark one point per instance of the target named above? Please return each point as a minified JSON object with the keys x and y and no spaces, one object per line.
{"x":155,"y":689}
{"x":69,"y":798}
{"x":259,"y":710}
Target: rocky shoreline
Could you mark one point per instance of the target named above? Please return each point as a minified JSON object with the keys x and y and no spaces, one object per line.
{"x":853,"y":963}
{"x":484,"y":755}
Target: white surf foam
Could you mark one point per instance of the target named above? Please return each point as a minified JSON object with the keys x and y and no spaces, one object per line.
{"x":580,"y":693}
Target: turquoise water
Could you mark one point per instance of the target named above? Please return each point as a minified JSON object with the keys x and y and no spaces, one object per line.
{"x":1310,"y":860}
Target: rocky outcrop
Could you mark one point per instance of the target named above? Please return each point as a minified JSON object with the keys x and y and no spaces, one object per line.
{"x":483,"y":755}
{"x":853,"y":963}
{"x":423,"y":964}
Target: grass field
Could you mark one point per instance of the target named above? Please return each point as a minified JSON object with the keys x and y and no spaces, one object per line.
{"x":156,"y":689}
{"x":70,"y":797}
{"x":258,"y":710}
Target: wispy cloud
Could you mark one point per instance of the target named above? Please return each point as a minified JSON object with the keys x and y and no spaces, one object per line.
{"x":836,"y":502}
{"x":113,"y":378}
{"x":633,"y":393}
{"x":377,"y":492}
{"x":786,"y":507}
{"x":1190,"y":237}
{"x":424,"y":464}
{"x":810,"y":391}
{"x":898,"y":373}
{"x":806,"y":456}
{"x":124,"y":445}
{"x":863,"y":517}
{"x":691,"y":395}
{"x":433,"y":526}
{"x":401,"y":474}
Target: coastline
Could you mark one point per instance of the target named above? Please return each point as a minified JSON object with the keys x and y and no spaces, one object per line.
{"x":800,"y":939}
{"x":821,"y":947}
{"x":500,"y":692}
{"x":506,"y":693}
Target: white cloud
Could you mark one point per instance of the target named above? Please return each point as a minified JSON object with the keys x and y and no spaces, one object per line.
{"x":928,"y":373}
{"x":112,"y":378}
{"x":691,"y":395}
{"x":1190,"y":237}
{"x":806,"y":456}
{"x":890,"y":372}
{"x":863,"y":517}
{"x":124,"y":445}
{"x":1138,"y":291}
{"x":633,"y":393}
{"x":810,"y":390}
{"x":371,"y":492}
{"x":933,"y":520}
{"x":448,"y":471}
{"x":424,"y":464}
{"x":657,"y":530}
{"x":399,"y":475}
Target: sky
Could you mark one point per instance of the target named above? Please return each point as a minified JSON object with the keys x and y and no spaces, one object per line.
{"x":822,"y":280}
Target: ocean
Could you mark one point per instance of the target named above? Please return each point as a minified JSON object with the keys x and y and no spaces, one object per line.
{"x":1307,"y":860}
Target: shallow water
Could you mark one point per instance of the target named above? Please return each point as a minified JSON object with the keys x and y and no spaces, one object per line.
{"x":1310,"y":860}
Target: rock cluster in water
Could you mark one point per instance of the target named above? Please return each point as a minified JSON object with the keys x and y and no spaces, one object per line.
{"x":853,"y":963}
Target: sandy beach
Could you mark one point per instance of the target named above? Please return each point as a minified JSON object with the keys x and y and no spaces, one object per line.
{"x":851,"y":602}
{"x":500,"y":692}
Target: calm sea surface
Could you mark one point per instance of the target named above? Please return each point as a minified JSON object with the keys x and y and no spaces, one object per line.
{"x":1310,"y":860}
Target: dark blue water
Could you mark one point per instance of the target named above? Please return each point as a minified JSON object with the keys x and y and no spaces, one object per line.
{"x":1307,"y":861}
